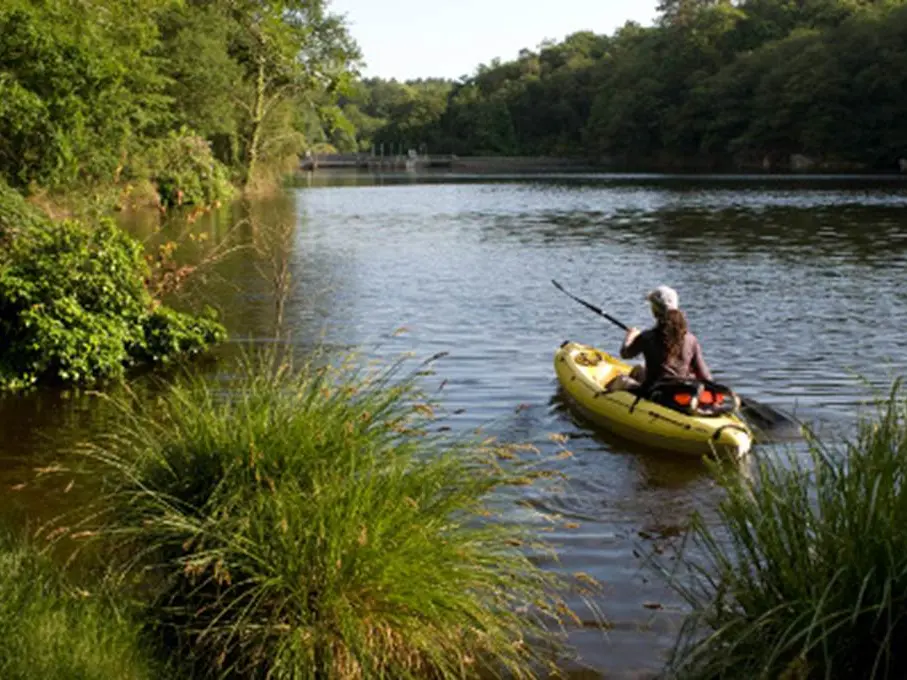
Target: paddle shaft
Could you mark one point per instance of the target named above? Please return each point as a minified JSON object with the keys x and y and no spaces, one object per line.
{"x":589,"y":305}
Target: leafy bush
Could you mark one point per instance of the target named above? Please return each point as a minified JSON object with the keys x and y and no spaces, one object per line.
{"x":305,"y":524}
{"x":73,"y":302}
{"x":16,"y":216}
{"x":185,"y":171}
{"x":805,"y":574}
{"x":168,"y":334}
{"x":53,"y":631}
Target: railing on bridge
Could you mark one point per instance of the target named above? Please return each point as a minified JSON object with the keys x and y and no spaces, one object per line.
{"x":410,"y":161}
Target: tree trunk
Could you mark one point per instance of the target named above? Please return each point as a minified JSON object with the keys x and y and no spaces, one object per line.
{"x":258,"y":112}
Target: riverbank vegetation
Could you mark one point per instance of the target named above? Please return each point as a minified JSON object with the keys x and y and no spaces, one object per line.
{"x":804,"y":574}
{"x":107,"y":104}
{"x":314,"y":522}
{"x":752,"y":84}
{"x":75,"y":306}
{"x":156,"y":100}
{"x":56,"y":630}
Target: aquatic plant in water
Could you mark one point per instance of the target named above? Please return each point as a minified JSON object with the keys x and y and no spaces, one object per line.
{"x":308,"y":523}
{"x":805,"y":572}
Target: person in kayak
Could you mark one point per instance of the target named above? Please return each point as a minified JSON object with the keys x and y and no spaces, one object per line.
{"x":669,"y":348}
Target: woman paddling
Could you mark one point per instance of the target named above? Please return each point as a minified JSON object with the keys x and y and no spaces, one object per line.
{"x":670,"y":350}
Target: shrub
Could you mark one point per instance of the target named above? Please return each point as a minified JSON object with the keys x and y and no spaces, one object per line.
{"x":185,"y":171}
{"x":73,"y":303}
{"x":306,"y":524}
{"x":16,"y":216}
{"x":53,"y":631}
{"x":805,"y":574}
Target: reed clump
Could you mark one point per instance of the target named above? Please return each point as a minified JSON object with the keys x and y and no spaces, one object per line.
{"x":804,"y":574}
{"x":311,"y":523}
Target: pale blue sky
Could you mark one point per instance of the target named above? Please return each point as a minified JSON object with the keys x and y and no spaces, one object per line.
{"x":448,"y":38}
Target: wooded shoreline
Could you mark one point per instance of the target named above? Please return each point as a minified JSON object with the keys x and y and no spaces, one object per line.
{"x":770,"y":164}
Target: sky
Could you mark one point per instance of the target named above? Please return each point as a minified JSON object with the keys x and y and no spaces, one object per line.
{"x":406,"y":39}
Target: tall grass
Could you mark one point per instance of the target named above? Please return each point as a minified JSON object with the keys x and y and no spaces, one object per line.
{"x":309,"y":524}
{"x":53,"y":631}
{"x":805,"y":573}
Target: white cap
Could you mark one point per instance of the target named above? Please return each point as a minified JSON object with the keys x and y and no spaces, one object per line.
{"x":664,"y":297}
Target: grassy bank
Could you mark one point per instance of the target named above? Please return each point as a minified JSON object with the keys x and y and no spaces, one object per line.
{"x":308,"y":522}
{"x":805,"y":573}
{"x":55,"y":631}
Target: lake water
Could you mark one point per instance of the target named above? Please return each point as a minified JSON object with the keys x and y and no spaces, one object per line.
{"x":793,"y":285}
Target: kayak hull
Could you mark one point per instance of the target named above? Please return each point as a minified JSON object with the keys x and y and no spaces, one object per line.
{"x":583,"y":371}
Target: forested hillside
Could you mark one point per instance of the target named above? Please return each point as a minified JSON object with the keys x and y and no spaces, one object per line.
{"x":713,"y":83}
{"x":185,"y":99}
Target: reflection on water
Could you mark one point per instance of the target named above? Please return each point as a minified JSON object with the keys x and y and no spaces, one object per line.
{"x":792,"y":285}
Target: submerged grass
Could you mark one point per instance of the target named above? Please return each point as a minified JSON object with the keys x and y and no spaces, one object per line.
{"x":307,"y":523}
{"x":805,"y":573}
{"x":51,"y":630}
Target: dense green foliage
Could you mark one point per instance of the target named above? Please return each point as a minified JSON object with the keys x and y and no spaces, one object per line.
{"x":714,"y":82}
{"x":805,"y":573}
{"x":91,"y":91}
{"x":185,"y":171}
{"x":74,"y":92}
{"x":307,"y":524}
{"x":55,"y":631}
{"x":74,"y":307}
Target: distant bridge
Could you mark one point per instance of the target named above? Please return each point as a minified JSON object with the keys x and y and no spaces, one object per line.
{"x":467,"y":164}
{"x":411,"y":161}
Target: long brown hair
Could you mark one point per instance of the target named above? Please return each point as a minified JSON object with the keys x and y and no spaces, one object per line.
{"x":672,"y":328}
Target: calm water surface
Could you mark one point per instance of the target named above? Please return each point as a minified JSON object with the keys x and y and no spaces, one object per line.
{"x":793,"y":285}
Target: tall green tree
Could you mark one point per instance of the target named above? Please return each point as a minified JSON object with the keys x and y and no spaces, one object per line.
{"x":203,"y":76}
{"x":77,"y":94}
{"x":684,"y":12}
{"x":288,"y":50}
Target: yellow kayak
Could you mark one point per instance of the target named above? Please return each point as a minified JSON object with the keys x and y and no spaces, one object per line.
{"x":583,"y":371}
